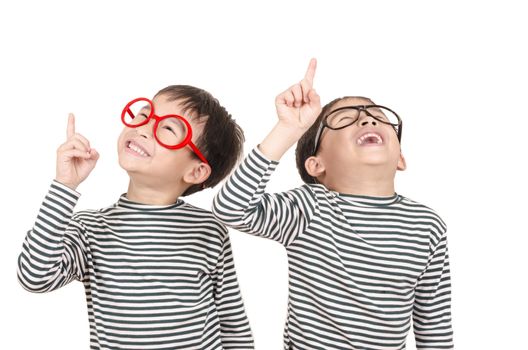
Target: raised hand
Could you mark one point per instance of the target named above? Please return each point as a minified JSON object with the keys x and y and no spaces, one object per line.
{"x":297,"y":109}
{"x":300,"y":105}
{"x":75,"y":158}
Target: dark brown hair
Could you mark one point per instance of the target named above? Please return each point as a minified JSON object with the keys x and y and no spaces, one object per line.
{"x":306,"y":144}
{"x":222,"y":139}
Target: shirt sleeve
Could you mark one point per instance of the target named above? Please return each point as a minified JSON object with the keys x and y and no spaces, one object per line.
{"x":432,"y":305}
{"x":235,"y":330}
{"x":54,"y":250}
{"x":243,"y":204}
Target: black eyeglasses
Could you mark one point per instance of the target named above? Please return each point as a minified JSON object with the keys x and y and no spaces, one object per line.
{"x":343,"y":117}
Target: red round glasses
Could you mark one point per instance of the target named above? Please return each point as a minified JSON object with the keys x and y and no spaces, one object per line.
{"x":170,"y":131}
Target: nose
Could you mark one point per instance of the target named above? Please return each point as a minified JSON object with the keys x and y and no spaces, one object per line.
{"x":366,"y":119}
{"x":146,"y":130}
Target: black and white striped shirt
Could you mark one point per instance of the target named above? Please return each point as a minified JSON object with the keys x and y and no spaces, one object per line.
{"x":360,"y":268}
{"x":156,"y":277}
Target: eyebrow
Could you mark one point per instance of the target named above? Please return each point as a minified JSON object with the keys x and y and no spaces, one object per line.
{"x":171,"y":120}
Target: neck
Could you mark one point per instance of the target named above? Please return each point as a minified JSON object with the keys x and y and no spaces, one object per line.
{"x":153,"y":194}
{"x":374,"y":182}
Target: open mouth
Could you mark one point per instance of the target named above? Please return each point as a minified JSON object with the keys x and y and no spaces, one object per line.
{"x":137,"y":149}
{"x":370,"y":138}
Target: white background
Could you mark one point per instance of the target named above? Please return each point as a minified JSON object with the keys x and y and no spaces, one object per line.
{"x":455,"y":71}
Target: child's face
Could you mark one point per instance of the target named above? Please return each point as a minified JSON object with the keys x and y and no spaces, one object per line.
{"x":141,"y":155}
{"x":366,"y":142}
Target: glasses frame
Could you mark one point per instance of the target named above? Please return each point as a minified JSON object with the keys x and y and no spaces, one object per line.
{"x":188,"y":137}
{"x":324,"y":122}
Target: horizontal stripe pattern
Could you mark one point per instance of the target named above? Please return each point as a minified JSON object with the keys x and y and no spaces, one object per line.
{"x":361,"y":269}
{"x":156,"y":277}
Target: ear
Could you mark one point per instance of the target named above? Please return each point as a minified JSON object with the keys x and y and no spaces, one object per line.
{"x":314,"y":166}
{"x":197,"y":174}
{"x":402,"y":164}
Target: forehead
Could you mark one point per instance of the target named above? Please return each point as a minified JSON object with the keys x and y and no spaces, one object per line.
{"x":164,"y":106}
{"x":347,"y":102}
{"x":352,"y":101}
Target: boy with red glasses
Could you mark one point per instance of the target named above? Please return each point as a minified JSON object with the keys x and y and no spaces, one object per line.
{"x":158,"y":272}
{"x":363,"y":260}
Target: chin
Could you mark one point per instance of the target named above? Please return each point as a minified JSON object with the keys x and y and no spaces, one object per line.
{"x":126,"y":167}
{"x":378,"y":162}
{"x":129,"y":164}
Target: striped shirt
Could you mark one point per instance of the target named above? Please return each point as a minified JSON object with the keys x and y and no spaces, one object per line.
{"x":156,"y":277}
{"x":360,"y":268}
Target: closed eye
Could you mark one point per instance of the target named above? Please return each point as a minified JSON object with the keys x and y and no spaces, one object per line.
{"x":167,"y":127}
{"x":142,"y":115}
{"x":344,"y":118}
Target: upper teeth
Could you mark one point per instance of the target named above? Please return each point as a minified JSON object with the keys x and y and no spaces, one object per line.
{"x":137,"y":149}
{"x":367,"y":135}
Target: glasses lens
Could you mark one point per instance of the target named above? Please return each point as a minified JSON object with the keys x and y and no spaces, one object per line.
{"x":171,"y":131}
{"x":345,"y":117}
{"x":137,"y":113}
{"x":342,"y":118}
{"x":383,"y":115}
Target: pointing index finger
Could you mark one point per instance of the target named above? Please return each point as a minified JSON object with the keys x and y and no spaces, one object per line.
{"x":70,"y":131}
{"x":310,"y":72}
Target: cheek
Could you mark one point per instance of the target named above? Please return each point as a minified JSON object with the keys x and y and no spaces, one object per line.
{"x":169,"y":167}
{"x":122,"y":136}
{"x":166,"y":158}
{"x":394,"y":144}
{"x":342,"y":141}
{"x":334,"y":144}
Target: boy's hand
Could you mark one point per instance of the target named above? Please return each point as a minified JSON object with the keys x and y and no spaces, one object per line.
{"x":297,"y":109}
{"x":299,"y":106}
{"x":75,"y":158}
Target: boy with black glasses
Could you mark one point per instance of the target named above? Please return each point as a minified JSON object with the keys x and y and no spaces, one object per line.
{"x":363,"y":260}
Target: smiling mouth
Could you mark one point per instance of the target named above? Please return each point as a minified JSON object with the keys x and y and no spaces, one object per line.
{"x":370,"y":138}
{"x":137,"y":149}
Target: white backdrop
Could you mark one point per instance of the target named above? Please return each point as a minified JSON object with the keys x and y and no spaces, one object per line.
{"x":455,"y":71}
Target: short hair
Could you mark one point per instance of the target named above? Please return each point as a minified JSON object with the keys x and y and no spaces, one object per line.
{"x":222,"y":139}
{"x":306,"y":144}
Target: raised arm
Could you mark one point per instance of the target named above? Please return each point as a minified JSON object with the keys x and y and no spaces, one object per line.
{"x":242,"y":202}
{"x":54,"y":251}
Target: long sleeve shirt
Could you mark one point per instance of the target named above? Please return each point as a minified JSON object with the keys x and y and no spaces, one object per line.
{"x":156,"y":277}
{"x":360,"y":268}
